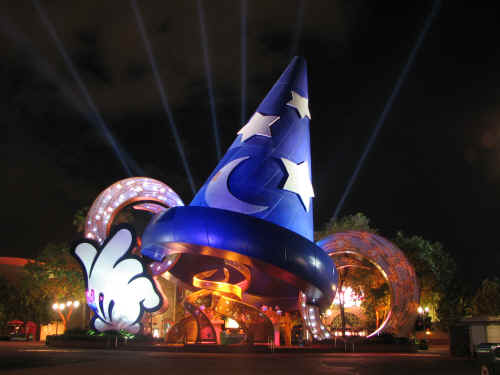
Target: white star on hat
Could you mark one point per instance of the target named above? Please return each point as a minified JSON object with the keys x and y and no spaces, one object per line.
{"x":258,"y":125}
{"x":301,"y":104}
{"x":299,"y":181}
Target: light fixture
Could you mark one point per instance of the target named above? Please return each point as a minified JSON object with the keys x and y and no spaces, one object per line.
{"x":231,"y":323}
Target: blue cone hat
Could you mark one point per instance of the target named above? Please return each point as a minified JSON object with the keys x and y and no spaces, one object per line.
{"x":266,"y":173}
{"x":255,"y":209}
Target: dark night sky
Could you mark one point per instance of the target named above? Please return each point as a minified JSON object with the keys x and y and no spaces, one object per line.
{"x":433,"y":170}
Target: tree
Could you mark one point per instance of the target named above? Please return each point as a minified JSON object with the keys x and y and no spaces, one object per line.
{"x":376,"y":296}
{"x":22,"y":301}
{"x":456,"y":302}
{"x":79,"y":219}
{"x":358,"y":222}
{"x":486,"y":301}
{"x":350,"y":319}
{"x":463,"y":299}
{"x":366,"y":281}
{"x":5,"y":303}
{"x":435,"y":270}
{"x":55,"y":274}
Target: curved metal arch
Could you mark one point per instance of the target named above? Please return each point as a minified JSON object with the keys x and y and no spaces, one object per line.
{"x":395,"y":268}
{"x":146,"y":193}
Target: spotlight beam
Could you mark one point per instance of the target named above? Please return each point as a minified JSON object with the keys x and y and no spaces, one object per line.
{"x":388,"y":106}
{"x":298,"y":28}
{"x":243,"y":46}
{"x":208,"y":74}
{"x":163,"y":94}
{"x":83,"y":89}
{"x":42,"y":67}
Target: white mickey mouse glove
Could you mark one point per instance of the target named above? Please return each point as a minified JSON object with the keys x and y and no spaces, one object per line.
{"x":118,"y":289}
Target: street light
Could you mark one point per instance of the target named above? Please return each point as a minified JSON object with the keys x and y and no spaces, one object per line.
{"x":420,"y":310}
{"x":60,"y":307}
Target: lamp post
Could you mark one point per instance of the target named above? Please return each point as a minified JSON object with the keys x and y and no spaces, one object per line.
{"x":424,"y":319}
{"x":69,"y":306}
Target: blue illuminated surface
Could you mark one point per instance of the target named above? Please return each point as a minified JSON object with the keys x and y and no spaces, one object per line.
{"x":253,"y":216}
{"x":256,"y":206}
{"x":259,"y":180}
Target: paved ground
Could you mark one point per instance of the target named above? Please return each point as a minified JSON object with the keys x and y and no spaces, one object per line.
{"x":29,"y":358}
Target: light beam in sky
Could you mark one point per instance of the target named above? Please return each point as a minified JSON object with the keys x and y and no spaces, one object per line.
{"x":208,"y":74}
{"x":298,"y":28}
{"x":96,"y":116}
{"x":243,"y":57}
{"x":163,"y":93}
{"x":388,"y":106}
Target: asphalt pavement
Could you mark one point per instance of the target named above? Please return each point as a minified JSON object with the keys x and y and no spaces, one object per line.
{"x":36,"y":358}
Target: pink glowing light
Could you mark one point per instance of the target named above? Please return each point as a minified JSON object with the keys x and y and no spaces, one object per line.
{"x":144,"y":193}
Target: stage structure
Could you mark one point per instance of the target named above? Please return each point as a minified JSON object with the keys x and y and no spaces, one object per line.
{"x":244,"y":242}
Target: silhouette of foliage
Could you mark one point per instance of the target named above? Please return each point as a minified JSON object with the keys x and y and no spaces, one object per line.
{"x":486,"y":301}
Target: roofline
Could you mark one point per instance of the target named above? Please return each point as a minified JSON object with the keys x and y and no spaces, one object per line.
{"x":13,"y":261}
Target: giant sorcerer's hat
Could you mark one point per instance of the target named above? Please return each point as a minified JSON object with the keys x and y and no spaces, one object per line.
{"x":266,"y":171}
{"x":256,"y":206}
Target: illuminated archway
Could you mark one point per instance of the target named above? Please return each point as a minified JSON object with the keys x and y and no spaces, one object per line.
{"x":147,"y":194}
{"x":395,"y":268}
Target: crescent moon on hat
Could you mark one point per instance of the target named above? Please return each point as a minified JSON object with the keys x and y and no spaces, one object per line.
{"x":217,"y":194}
